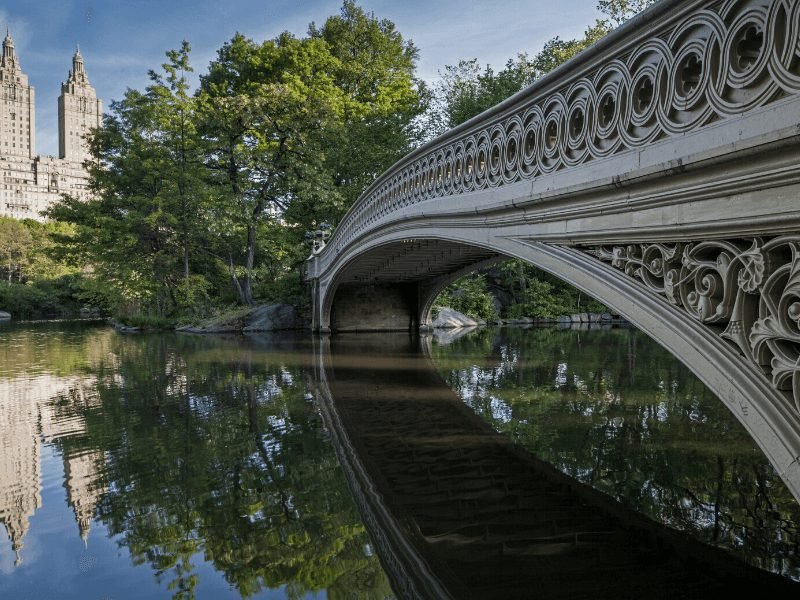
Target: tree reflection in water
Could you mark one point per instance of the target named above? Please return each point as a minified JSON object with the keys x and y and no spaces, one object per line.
{"x":614,"y":410}
{"x":206,"y":458}
{"x":213,"y":453}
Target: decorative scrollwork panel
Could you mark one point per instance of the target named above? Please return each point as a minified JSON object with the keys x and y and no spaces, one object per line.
{"x":748,"y":289}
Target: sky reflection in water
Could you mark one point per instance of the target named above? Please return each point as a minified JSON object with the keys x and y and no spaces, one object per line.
{"x":177,"y":466}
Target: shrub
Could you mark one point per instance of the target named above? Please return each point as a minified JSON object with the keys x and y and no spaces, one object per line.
{"x":468,"y":295}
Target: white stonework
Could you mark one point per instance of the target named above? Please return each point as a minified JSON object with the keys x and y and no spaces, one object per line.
{"x":657,"y":171}
{"x":29,"y":183}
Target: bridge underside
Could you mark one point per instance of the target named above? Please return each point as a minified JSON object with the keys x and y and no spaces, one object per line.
{"x":393,"y":286}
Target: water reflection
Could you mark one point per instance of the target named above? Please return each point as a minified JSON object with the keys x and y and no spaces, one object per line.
{"x":487,"y":519}
{"x":194,"y":467}
{"x":204,"y":460}
{"x":614,"y":410}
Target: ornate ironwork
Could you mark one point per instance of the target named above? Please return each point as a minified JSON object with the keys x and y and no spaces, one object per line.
{"x":710,"y":62}
{"x":749,"y":289}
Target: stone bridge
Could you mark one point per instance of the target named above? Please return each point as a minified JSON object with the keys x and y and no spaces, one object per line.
{"x":658,"y":171}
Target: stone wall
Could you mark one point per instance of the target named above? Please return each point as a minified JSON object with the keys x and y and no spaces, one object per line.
{"x":377,"y":307}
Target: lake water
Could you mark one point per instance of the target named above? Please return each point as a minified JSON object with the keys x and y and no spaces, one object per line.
{"x":371,"y":466}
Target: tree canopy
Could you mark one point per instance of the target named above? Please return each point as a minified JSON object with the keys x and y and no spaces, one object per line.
{"x":208,"y":193}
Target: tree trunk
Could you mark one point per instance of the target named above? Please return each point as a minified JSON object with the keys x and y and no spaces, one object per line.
{"x":235,"y":281}
{"x":251,"y":251}
{"x":186,"y":259}
{"x":251,"y":255}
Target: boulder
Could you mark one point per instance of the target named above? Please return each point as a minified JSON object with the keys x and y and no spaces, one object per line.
{"x":273,"y":317}
{"x":449,"y":318}
{"x":448,"y":336}
{"x":208,"y":329}
{"x":4,"y":315}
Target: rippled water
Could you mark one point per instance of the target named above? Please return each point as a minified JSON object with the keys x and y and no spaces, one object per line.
{"x":150,"y":466}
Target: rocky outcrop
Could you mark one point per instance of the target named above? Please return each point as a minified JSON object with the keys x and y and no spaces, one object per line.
{"x":4,"y":315}
{"x":274,"y":317}
{"x":449,"y":318}
{"x":271,"y":317}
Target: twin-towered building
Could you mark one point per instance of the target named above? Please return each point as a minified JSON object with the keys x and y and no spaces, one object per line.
{"x":29,"y":183}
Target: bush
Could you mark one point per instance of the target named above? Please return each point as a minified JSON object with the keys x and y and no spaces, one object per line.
{"x":469,"y":295}
{"x":22,"y":301}
{"x":192,"y":297}
{"x":540,"y":299}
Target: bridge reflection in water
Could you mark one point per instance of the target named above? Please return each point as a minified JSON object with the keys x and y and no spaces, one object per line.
{"x":458,"y":510}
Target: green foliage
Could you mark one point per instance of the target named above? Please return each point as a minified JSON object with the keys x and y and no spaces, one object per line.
{"x":16,"y":243}
{"x":539,"y":299}
{"x":192,"y":296}
{"x":22,"y":301}
{"x":468,"y":295}
{"x":375,"y":69}
{"x":620,"y":11}
{"x":538,"y":294}
{"x":37,"y":282}
{"x":204,"y":197}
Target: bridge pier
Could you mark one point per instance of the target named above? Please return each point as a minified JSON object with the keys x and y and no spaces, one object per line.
{"x":374,"y":307}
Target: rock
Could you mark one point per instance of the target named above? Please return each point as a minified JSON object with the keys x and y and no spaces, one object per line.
{"x":448,"y":336}
{"x":594,"y":317}
{"x":449,"y":319}
{"x":606,"y":318}
{"x":4,"y":315}
{"x":564,"y":319}
{"x":274,"y":317}
{"x":208,"y":329}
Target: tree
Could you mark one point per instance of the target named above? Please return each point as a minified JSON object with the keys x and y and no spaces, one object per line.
{"x":260,"y":105}
{"x":279,"y":139}
{"x":139,"y":229}
{"x":174,"y":111}
{"x":382,"y":98}
{"x":16,"y":244}
{"x":620,"y":11}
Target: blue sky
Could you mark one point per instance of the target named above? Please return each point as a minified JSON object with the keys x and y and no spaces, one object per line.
{"x":121,"y":39}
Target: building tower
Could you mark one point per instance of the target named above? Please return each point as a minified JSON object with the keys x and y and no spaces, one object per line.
{"x":17,"y":106}
{"x":79,"y":111}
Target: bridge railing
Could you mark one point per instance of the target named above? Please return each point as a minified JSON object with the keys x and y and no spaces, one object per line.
{"x":678,"y":67}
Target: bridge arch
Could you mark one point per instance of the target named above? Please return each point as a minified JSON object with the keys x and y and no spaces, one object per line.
{"x":767,"y":413}
{"x":675,"y":202}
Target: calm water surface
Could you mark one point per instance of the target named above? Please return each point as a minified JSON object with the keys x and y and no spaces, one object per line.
{"x":167,"y":466}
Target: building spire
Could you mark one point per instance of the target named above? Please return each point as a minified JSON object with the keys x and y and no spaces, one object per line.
{"x":9,"y":56}
{"x":78,"y":72}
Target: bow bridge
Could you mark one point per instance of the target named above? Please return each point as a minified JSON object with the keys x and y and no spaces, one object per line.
{"x":658,"y":171}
